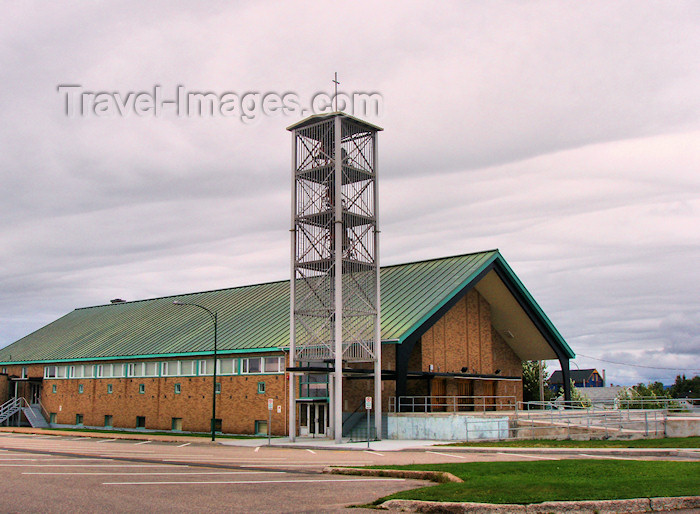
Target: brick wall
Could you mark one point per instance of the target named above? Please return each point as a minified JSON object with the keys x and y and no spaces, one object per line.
{"x":238,"y":405}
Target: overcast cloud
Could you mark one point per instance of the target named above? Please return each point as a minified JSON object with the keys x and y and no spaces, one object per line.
{"x":565,"y":134}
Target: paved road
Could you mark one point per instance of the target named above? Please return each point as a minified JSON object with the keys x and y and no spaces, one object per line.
{"x":76,"y":474}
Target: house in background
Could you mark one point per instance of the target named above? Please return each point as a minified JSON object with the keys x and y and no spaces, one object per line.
{"x":581,"y":377}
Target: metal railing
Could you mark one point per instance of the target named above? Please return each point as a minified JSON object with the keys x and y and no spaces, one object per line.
{"x":643,"y":402}
{"x":44,"y":412}
{"x":603,"y":422}
{"x":451,"y":403}
{"x":12,"y":407}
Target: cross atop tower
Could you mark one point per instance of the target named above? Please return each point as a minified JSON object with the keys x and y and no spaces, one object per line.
{"x":335,"y":97}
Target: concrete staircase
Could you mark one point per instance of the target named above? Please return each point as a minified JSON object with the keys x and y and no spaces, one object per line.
{"x":357,"y":431}
{"x":10,"y":408}
{"x":34,"y":416}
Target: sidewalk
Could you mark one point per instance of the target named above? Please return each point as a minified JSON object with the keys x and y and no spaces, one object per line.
{"x":319,"y":443}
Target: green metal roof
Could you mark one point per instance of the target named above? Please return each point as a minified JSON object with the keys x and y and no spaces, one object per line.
{"x":250,"y":318}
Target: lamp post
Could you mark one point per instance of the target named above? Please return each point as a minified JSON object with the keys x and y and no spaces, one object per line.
{"x":213,"y":398}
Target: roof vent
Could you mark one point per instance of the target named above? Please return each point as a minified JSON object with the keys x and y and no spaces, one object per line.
{"x":117,"y":300}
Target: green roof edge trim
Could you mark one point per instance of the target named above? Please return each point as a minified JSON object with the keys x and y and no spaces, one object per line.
{"x":449,"y":297}
{"x":538,"y":310}
{"x":150,"y":356}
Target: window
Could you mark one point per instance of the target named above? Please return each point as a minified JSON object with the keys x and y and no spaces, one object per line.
{"x":260,"y":427}
{"x":117,"y":370}
{"x":4,"y":370}
{"x":227,"y":366}
{"x":178,"y":389}
{"x":24,"y":372}
{"x":79,"y":419}
{"x":142,"y":388}
{"x":170,"y":368}
{"x":52,"y":418}
{"x":98,"y":370}
{"x":217,"y":388}
{"x":176,"y":424}
{"x":206,"y":367}
{"x":188,"y":368}
{"x":150,"y":369}
{"x":61,"y":371}
{"x":53,"y":388}
{"x":49,"y":371}
{"x":251,"y":365}
{"x":261,"y":387}
{"x":313,"y":386}
{"x":81,"y":388}
{"x":108,"y":420}
{"x":273,"y":364}
{"x":109,"y":389}
{"x":76,"y":372}
{"x":131,"y":370}
{"x":140,"y":421}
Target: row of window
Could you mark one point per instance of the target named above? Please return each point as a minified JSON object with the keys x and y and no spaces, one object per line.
{"x":181,"y":368}
{"x":175,"y":423}
{"x":142,"y":388}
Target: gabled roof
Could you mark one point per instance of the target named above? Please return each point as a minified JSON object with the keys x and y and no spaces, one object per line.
{"x":577,"y":375}
{"x":255,"y":318}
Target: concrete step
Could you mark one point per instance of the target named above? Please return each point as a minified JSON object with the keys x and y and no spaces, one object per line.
{"x":35,"y":417}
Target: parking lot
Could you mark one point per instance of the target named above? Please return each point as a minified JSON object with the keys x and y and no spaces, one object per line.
{"x":78,"y":474}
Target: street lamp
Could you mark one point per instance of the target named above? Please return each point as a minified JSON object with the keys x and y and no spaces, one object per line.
{"x":213,"y":398}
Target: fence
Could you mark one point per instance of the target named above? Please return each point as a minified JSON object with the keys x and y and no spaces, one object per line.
{"x":451,"y":403}
{"x":639,"y":417}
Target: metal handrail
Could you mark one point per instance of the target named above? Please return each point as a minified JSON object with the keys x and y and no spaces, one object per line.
{"x":11,"y":407}
{"x":450,"y":403}
{"x":44,"y":412}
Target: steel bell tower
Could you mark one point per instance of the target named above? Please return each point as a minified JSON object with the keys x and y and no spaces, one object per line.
{"x":335,"y":301}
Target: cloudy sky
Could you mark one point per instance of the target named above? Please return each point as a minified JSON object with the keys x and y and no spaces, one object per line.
{"x":565,"y":134}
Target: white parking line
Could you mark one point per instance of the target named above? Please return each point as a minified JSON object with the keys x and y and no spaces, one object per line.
{"x":88,"y":465}
{"x":105,"y":441}
{"x":374,"y":453}
{"x":276,"y":465}
{"x":257,"y":448}
{"x":159,"y":473}
{"x":527,"y":456}
{"x":142,"y":442}
{"x":606,"y":457}
{"x":311,"y":451}
{"x":183,"y":445}
{"x":300,"y":481}
{"x":448,"y":455}
{"x":234,"y":459}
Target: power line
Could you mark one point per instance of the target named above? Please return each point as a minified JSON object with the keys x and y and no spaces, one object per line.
{"x":638,"y":365}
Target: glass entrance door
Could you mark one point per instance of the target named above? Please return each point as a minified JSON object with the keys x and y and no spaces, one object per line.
{"x":313,"y":419}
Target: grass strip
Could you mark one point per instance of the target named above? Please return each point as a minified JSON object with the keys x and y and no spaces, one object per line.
{"x":561,"y":480}
{"x":666,"y":442}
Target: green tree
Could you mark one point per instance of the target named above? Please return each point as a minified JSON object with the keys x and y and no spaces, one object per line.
{"x":642,"y":396}
{"x":686,"y":388}
{"x":577,"y":398}
{"x":531,"y":382}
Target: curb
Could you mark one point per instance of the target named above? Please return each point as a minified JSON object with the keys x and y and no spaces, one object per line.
{"x":102,"y":435}
{"x":632,"y":506}
{"x":440,"y":477}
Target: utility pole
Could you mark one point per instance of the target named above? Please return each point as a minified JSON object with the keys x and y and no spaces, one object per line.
{"x":541,"y":382}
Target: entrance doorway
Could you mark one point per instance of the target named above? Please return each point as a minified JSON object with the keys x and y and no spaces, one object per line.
{"x":34,"y":393}
{"x":313,"y":418}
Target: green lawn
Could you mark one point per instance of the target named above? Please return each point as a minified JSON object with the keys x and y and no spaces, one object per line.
{"x":534,"y":482}
{"x":666,"y":442}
